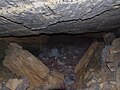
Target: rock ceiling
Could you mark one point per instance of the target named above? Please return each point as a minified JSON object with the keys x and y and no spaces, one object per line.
{"x":33,"y":17}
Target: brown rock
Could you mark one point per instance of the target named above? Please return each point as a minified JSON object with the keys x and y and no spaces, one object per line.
{"x":89,"y":84}
{"x":107,"y":86}
{"x":1,"y":78}
{"x":115,"y":52}
{"x":82,"y":64}
{"x":23,"y":63}
{"x":115,"y":47}
{"x":111,"y":66}
{"x":55,"y":78}
{"x":81,"y":68}
{"x":118,"y":78}
{"x":0,"y":86}
{"x":12,"y":84}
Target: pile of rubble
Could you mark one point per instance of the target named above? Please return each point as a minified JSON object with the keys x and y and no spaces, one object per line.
{"x":107,"y":77}
{"x":98,"y":69}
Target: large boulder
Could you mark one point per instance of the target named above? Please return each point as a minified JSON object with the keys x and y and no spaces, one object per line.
{"x":32,"y":17}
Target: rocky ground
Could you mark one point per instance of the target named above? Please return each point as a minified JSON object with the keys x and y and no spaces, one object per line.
{"x":103,"y":71}
{"x":107,"y":77}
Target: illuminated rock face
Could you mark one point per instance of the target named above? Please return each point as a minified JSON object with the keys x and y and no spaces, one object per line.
{"x":32,"y":17}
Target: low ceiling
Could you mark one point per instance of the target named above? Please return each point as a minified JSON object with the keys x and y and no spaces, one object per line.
{"x":33,"y":17}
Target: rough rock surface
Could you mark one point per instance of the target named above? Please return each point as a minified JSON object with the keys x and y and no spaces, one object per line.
{"x":98,"y":76}
{"x":31,"y":17}
{"x":104,"y":78}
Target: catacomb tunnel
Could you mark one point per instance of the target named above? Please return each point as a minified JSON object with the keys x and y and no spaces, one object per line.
{"x":59,"y":44}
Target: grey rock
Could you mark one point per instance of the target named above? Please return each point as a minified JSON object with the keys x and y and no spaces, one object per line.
{"x":106,"y":54}
{"x":32,"y":17}
{"x":118,"y":79}
{"x":25,"y":85}
{"x":4,"y":86}
{"x":109,"y":37}
{"x":55,"y":52}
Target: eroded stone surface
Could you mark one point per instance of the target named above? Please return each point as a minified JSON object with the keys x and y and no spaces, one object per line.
{"x":28,"y":17}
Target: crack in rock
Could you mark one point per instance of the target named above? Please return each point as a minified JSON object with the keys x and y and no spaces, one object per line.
{"x":63,"y":21}
{"x":15,"y":22}
{"x":79,"y":19}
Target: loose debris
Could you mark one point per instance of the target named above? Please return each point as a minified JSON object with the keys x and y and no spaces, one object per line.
{"x":98,"y":69}
{"x":23,"y":63}
{"x":81,"y":67}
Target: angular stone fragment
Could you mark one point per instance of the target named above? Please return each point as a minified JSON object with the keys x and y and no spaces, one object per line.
{"x":118,"y":78}
{"x":81,"y":67}
{"x":23,"y":63}
{"x":115,"y":52}
{"x":106,"y":54}
{"x":107,"y":86}
{"x":54,"y":79}
{"x":24,"y":85}
{"x":16,"y":84}
{"x":108,"y":38}
{"x":115,"y":47}
{"x":82,"y":64}
{"x":12,"y":84}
